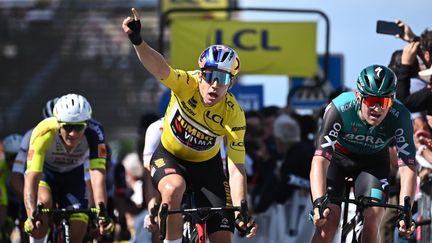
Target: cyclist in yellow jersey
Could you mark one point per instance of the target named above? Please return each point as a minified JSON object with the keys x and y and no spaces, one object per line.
{"x":200,"y":113}
{"x":58,"y":148}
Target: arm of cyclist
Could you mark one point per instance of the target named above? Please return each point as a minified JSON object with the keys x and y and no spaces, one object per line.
{"x":150,"y":59}
{"x":317,"y":175}
{"x":152,"y":197}
{"x":32,"y":226}
{"x":97,"y":177}
{"x":408,"y":178}
{"x":238,"y":193}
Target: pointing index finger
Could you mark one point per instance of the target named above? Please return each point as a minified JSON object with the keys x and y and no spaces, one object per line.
{"x":135,"y":14}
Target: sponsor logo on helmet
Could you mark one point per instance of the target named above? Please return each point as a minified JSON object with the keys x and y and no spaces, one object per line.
{"x":378,"y":71}
{"x":189,"y":135}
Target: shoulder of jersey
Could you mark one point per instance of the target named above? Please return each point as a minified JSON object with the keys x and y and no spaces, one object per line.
{"x":45,"y":126}
{"x":231,"y":103}
{"x":96,"y":127}
{"x":397,"y":108}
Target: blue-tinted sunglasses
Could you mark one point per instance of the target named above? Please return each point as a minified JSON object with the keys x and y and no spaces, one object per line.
{"x":222,"y":78}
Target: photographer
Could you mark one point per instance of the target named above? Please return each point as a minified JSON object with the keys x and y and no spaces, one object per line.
{"x":413,"y":89}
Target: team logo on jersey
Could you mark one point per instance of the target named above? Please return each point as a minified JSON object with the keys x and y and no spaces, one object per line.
{"x":189,"y":135}
{"x":187,"y":108}
{"x":214,"y":118}
{"x":331,"y":137}
{"x":238,"y":146}
{"x":401,"y":143}
{"x":192,"y":102}
{"x":159,"y":163}
{"x":102,"y":152}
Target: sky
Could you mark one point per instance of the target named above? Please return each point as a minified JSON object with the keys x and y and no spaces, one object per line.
{"x":352,"y":33}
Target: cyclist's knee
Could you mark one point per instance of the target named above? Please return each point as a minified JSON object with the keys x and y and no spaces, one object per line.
{"x":172,"y":188}
{"x":373,"y":216}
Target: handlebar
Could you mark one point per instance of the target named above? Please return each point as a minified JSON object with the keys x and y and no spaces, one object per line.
{"x":201,"y":214}
{"x":65,"y":213}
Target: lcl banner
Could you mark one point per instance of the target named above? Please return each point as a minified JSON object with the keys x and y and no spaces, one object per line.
{"x":285,"y":48}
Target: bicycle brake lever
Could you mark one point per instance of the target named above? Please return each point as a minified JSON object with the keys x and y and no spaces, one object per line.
{"x":163,"y":216}
{"x":153,"y":213}
{"x":407,"y":212}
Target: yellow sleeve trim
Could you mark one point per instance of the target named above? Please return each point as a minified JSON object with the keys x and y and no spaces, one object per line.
{"x":98,"y":163}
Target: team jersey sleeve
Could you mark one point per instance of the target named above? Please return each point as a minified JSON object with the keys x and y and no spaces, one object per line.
{"x":327,"y":135}
{"x":20,"y":159}
{"x":41,"y":139}
{"x":405,"y":141}
{"x":152,"y":140}
{"x":179,"y":81}
{"x":235,"y":138}
{"x":97,"y":149}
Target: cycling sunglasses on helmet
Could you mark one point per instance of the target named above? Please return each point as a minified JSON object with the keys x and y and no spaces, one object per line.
{"x":384,"y":102}
{"x":223,"y":78}
{"x":78,"y":127}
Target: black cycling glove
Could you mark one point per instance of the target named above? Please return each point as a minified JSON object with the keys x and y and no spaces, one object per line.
{"x":135,"y":36}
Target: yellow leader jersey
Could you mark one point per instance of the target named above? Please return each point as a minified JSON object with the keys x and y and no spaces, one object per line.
{"x":192,"y":131}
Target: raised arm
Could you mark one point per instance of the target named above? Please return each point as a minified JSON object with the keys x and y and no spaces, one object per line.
{"x":152,"y":60}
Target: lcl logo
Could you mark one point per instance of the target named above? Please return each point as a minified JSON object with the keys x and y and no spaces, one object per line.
{"x":262,"y":36}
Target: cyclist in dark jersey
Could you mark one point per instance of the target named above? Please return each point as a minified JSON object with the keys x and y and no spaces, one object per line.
{"x":353,"y":142}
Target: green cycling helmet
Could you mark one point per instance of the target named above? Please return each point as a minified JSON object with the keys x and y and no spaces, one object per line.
{"x":377,"y":80}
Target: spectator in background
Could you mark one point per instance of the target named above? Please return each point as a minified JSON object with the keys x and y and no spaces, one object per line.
{"x":413,"y":89}
{"x":296,"y":155}
{"x":269,"y":114}
{"x":134,"y":171}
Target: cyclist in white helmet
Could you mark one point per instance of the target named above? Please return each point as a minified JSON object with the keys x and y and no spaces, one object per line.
{"x":59,"y":146}
{"x":200,"y":114}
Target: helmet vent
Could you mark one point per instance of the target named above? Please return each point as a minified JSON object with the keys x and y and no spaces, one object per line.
{"x":215,"y":54}
{"x":225,"y":55}
{"x":367,"y":80}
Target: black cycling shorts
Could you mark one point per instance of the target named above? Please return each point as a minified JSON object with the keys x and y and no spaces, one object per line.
{"x":205,"y":180}
{"x":369,"y":171}
{"x":68,"y":189}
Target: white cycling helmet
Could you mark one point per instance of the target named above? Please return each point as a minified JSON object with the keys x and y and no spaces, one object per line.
{"x":12,"y":143}
{"x":72,"y":108}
